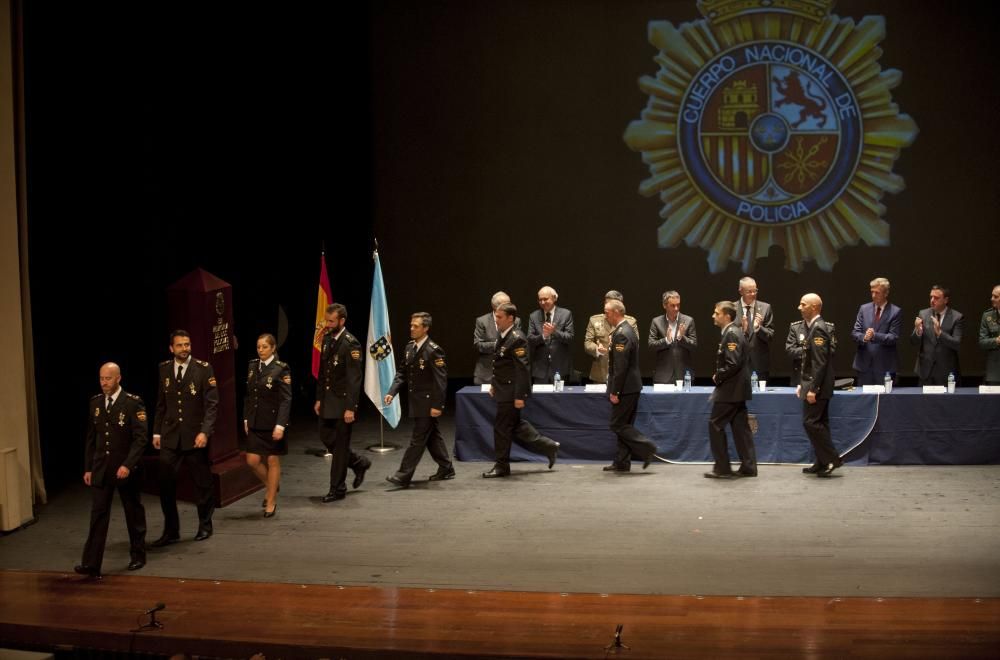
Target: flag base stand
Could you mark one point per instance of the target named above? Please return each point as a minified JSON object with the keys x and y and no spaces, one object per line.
{"x":381,"y":447}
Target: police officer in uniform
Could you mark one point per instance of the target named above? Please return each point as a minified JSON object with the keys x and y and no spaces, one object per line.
{"x":624,"y":387}
{"x":337,"y":392}
{"x":116,"y":438}
{"x":795,"y":345}
{"x":425,"y":373}
{"x":510,"y":387}
{"x":729,"y":399}
{"x":266,"y":407}
{"x":989,"y":338}
{"x":816,"y":386}
{"x":186,"y":408}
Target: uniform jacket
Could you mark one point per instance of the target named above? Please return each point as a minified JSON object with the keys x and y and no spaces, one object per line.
{"x":425,"y":374}
{"x":338,"y":387}
{"x":989,"y":329}
{"x":511,"y":373}
{"x":672,"y":358}
{"x":760,"y":339}
{"x":268,"y":400}
{"x":878,"y":355}
{"x":817,"y":361}
{"x":623,"y":362}
{"x":555,"y":354}
{"x":938,"y":356}
{"x":114,"y":438}
{"x":186,"y":408}
{"x":599,"y":333}
{"x":795,"y":346}
{"x":732,"y":375}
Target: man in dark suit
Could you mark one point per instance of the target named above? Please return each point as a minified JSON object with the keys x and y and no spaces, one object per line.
{"x":425,"y":374}
{"x":875,"y":333}
{"x":510,"y":388}
{"x":937,"y":331}
{"x":816,"y":386}
{"x":729,"y":399}
{"x":550,"y":335}
{"x":795,"y":346}
{"x":624,"y":387}
{"x":338,"y":390}
{"x":674,"y":339}
{"x":755,"y":318}
{"x":181,"y":432}
{"x":116,"y":438}
{"x":989,"y":338}
{"x":485,"y":339}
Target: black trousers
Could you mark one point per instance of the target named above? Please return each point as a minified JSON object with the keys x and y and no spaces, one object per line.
{"x":509,"y":428}
{"x":733,"y":414}
{"x":425,"y":435}
{"x":630,"y":441}
{"x":336,"y":436}
{"x":201,"y":474}
{"x":816,"y":421}
{"x":100,"y":516}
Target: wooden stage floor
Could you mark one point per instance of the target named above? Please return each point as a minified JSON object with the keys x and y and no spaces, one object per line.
{"x":237,"y":619}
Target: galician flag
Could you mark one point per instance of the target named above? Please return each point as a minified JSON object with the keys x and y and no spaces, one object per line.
{"x":323,"y":298}
{"x":380,"y":366}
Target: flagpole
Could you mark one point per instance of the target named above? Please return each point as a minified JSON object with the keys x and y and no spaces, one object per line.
{"x":381,"y":447}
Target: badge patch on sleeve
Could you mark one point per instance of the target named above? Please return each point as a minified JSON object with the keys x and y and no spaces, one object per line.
{"x":439,"y":362}
{"x":731,"y":346}
{"x":620,"y":348}
{"x":286,"y":379}
{"x":520,"y":352}
{"x":211,"y":381}
{"x":141,"y":415}
{"x":819,"y":341}
{"x":356,"y":354}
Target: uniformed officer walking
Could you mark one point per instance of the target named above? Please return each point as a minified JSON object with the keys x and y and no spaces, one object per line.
{"x":729,"y":399}
{"x":266,"y":408}
{"x":337,"y":392}
{"x":425,"y":374}
{"x":186,"y":408}
{"x":116,"y":438}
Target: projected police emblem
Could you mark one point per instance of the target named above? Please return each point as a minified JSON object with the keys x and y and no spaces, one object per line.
{"x":770,"y":122}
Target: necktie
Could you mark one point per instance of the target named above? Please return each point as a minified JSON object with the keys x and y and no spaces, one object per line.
{"x":107,"y":408}
{"x":878,"y":314}
{"x":180,"y":373}
{"x":670,"y":332}
{"x":548,"y":317}
{"x":749,"y":319}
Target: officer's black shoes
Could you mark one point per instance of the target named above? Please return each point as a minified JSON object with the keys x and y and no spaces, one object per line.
{"x":615,"y":468}
{"x":746,"y":473}
{"x":552,"y":455}
{"x":720,"y":475}
{"x":333,"y":496}
{"x":442,"y":475}
{"x":495,"y":473}
{"x":203,"y":533}
{"x":396,"y":481}
{"x":812,"y":469}
{"x":270,"y":514}
{"x":89,"y":571}
{"x":828,"y":469}
{"x":359,"y":474}
{"x":164,"y":540}
{"x":136,"y":564}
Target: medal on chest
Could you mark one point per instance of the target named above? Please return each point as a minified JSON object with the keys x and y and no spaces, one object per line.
{"x":421,"y":363}
{"x":194,"y":392}
{"x":121,"y":419}
{"x":269,"y":384}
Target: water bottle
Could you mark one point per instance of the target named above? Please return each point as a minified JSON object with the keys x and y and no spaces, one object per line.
{"x":687,"y":380}
{"x":888,"y":382}
{"x":557,"y":383}
{"x":753,"y":382}
{"x":951,"y":383}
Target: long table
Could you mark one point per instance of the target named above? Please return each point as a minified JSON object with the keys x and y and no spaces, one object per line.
{"x":905,"y":427}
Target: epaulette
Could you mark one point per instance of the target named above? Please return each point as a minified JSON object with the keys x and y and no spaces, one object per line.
{"x":97,"y":396}
{"x":201,"y":362}
{"x":166,"y":363}
{"x":283,"y":365}
{"x":433,"y":345}
{"x":133,"y":396}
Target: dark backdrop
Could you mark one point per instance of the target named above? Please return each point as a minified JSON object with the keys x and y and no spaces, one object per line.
{"x":480,"y":141}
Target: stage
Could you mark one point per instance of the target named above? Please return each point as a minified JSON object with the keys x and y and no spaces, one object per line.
{"x":905,"y":427}
{"x":879,"y":536}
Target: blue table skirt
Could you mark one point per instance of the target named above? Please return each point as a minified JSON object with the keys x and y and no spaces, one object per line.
{"x":905,"y":427}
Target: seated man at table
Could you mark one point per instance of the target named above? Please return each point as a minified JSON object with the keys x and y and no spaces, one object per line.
{"x":729,"y":399}
{"x":511,"y":387}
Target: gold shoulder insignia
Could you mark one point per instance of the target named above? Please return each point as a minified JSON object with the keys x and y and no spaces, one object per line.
{"x":286,"y":379}
{"x":819,"y":341}
{"x":141,"y":415}
{"x":356,"y":355}
{"x":211,"y":381}
{"x":519,"y":351}
{"x":731,"y":346}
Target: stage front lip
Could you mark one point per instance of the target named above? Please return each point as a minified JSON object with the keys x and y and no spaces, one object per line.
{"x":905,"y":427}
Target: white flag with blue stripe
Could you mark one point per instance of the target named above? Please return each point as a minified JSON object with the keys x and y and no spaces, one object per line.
{"x":380,"y":365}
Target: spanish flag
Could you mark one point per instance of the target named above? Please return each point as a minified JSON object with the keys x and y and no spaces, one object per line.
{"x":323,"y":298}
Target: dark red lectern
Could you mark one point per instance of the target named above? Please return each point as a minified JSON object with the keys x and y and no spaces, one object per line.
{"x":201,"y":303}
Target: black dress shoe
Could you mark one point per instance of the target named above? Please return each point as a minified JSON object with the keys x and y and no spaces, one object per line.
{"x":396,"y":481}
{"x":828,"y":469}
{"x":553,"y":454}
{"x":496,"y":473}
{"x":720,"y":475}
{"x":136,"y":564}
{"x":812,"y":469}
{"x":359,"y":474}
{"x":164,"y":540}
{"x":89,"y":571}
{"x":202,"y":534}
{"x":614,"y":468}
{"x":442,"y":475}
{"x":746,"y":473}
{"x":333,"y":496}
{"x":270,"y":514}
